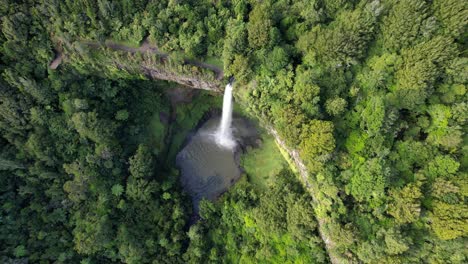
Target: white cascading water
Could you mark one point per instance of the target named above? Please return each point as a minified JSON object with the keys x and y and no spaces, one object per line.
{"x":224,"y":134}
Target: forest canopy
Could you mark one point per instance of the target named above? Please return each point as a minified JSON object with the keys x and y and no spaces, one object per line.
{"x":370,"y":95}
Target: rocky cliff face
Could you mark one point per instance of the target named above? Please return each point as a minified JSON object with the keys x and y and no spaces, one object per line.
{"x":186,"y":80}
{"x":146,"y":60}
{"x":197,"y":80}
{"x":335,"y":258}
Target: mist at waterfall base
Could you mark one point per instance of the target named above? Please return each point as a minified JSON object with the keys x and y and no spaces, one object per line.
{"x":209,"y":162}
{"x":223,"y":135}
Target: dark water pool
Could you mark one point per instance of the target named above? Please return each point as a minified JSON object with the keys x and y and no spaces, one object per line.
{"x":208,"y":170}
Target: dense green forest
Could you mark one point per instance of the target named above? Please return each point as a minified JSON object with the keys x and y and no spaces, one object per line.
{"x":371,"y":94}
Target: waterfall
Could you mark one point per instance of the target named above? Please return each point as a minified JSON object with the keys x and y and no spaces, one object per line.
{"x":224,"y":134}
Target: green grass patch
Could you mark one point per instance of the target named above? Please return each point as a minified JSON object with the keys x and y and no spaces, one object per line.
{"x":156,"y":132}
{"x":215,"y":61}
{"x":263,"y":163}
{"x":288,"y":158}
{"x":128,"y":43}
{"x":153,"y":134}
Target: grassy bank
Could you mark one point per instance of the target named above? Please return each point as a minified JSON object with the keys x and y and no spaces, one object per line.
{"x":263,"y":163}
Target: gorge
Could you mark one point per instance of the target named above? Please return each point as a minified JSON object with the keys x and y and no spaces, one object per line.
{"x":342,"y":140}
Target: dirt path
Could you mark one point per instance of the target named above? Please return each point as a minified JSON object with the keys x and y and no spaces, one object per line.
{"x":56,"y":62}
{"x":147,"y":47}
{"x":177,"y":97}
{"x":214,"y":68}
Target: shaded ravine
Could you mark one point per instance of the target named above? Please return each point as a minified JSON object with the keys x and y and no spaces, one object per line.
{"x":187,"y":81}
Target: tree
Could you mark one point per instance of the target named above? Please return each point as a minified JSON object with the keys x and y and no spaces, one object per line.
{"x":306,"y":92}
{"x":405,"y":205}
{"x":276,"y":60}
{"x":240,"y":69}
{"x":117,"y":190}
{"x":28,"y":86}
{"x":420,"y":67}
{"x":122,"y":115}
{"x":335,"y":106}
{"x":395,"y":241}
{"x":441,"y":166}
{"x":92,"y":233}
{"x":259,"y":26}
{"x":341,"y":43}
{"x":13,"y":111}
{"x":191,"y":38}
{"x":78,"y":187}
{"x":139,"y":185}
{"x":409,"y":155}
{"x":141,"y":164}
{"x":317,"y":143}
{"x":453,"y":15}
{"x":373,"y":115}
{"x":406,"y":22}
{"x":449,"y":221}
{"x":300,"y":219}
{"x":88,"y":125}
{"x":440,"y":132}
{"x":289,"y":121}
{"x":368,"y":181}
{"x":236,"y":39}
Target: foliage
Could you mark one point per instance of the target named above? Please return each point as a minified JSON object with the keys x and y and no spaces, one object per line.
{"x":269,"y":227}
{"x":369,"y":95}
{"x":263,"y":163}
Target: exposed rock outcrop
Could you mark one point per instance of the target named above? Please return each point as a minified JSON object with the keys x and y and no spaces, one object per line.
{"x":153,"y":69}
{"x":186,"y":80}
{"x":158,"y":71}
{"x":335,"y":258}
